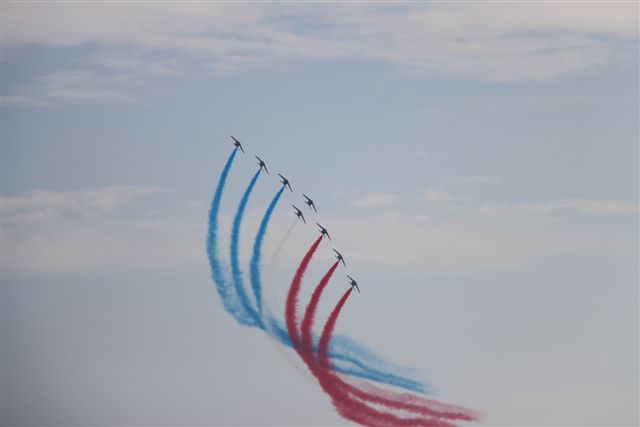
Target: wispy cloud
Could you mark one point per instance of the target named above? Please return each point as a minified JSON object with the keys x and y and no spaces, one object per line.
{"x":53,"y":232}
{"x":368,"y":199}
{"x":73,"y":87}
{"x":583,"y":206}
{"x":495,"y":41}
{"x":40,"y":205}
{"x":439,"y":195}
{"x":472,"y":179}
{"x":48,"y":232}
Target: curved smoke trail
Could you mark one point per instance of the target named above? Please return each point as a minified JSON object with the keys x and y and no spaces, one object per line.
{"x":359,"y":368}
{"x":276,"y":257}
{"x":276,"y":333}
{"x":250,"y":317}
{"x":426,"y":409}
{"x":256,"y":280}
{"x":291,"y":308}
{"x":229,"y":299}
{"x":354,"y":408}
{"x":306,"y":327}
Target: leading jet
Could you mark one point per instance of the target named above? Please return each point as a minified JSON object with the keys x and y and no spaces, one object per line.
{"x":237,"y":144}
{"x":262,"y":164}
{"x":323,"y":231}
{"x":299,"y":214}
{"x":353,"y":283}
{"x":340,"y":258}
{"x":310,"y":203}
{"x":285,"y":182}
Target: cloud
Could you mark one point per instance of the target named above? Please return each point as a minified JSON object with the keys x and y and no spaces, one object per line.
{"x":460,"y":245}
{"x":439,"y":195}
{"x":494,"y":41}
{"x":472,"y":179}
{"x":48,"y":232}
{"x":41,"y":205}
{"x":368,"y":199}
{"x":22,"y":100}
{"x":74,"y":87}
{"x":583,"y":206}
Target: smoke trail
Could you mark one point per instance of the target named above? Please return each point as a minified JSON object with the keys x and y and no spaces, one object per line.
{"x":344,"y":349}
{"x":276,"y":332}
{"x":250,"y":315}
{"x":430,"y":412}
{"x":256,"y":281}
{"x":349,"y":408}
{"x":229,"y":300}
{"x":292,"y":297}
{"x":353,"y":358}
{"x":343,"y":393}
{"x":309,"y":315}
{"x":359,"y":359}
{"x":276,"y":256}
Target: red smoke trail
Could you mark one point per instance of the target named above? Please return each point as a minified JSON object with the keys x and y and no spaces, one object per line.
{"x":306,"y":328}
{"x":291,"y":308}
{"x":422,"y":406}
{"x":343,"y":393}
{"x":348,"y":407}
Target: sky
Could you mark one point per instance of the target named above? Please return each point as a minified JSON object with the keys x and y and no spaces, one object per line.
{"x":475,"y":163}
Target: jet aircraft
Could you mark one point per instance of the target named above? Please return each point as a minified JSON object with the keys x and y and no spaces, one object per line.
{"x":310,"y":203}
{"x":340,"y":258}
{"x":237,"y":144}
{"x":323,"y":231}
{"x":285,"y":182}
{"x":262,"y":164}
{"x":353,"y":283}
{"x":299,"y":214}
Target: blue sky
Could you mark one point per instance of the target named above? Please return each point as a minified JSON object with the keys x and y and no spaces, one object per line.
{"x":477,"y":165}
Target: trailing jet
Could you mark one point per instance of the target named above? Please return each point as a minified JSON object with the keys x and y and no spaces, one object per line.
{"x":339,"y":256}
{"x":237,"y":144}
{"x":353,"y":283}
{"x":310,"y":203}
{"x":262,"y":164}
{"x":299,"y":214}
{"x":323,"y":231}
{"x":285,"y":182}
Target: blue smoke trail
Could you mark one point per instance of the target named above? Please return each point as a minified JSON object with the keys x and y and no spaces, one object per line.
{"x":256,"y":279}
{"x":356,"y":364}
{"x":229,"y":300}
{"x":250,"y":313}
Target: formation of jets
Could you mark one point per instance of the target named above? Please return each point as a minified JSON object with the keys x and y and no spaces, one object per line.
{"x":285,"y":183}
